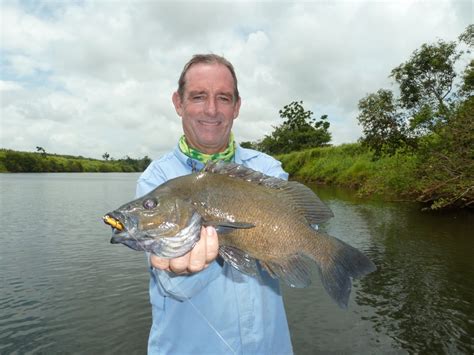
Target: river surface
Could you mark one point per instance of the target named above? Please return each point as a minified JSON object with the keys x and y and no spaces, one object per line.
{"x":65,"y":289}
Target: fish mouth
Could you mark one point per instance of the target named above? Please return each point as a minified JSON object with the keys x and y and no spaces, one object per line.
{"x":120,"y":224}
{"x":114,"y":221}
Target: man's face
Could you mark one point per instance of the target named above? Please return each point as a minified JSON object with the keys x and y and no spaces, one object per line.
{"x":207,"y":108}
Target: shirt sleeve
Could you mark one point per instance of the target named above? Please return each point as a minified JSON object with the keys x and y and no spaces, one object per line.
{"x":276,"y":170}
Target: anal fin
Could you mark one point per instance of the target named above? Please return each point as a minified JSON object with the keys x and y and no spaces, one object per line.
{"x":295,"y":270}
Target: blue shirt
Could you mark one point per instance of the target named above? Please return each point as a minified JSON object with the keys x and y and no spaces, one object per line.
{"x":218,"y":310}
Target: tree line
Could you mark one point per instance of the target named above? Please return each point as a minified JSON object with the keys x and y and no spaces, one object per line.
{"x":40,"y":162}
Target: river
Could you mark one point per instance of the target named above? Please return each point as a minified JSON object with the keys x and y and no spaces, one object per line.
{"x":65,"y":289}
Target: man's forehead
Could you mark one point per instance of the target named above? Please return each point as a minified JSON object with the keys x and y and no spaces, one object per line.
{"x":208,"y":71}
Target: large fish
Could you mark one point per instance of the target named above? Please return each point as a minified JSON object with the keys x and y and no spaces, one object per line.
{"x":257,"y":217}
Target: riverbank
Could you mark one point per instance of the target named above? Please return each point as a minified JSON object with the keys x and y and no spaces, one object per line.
{"x":403,"y":176}
{"x":28,"y":162}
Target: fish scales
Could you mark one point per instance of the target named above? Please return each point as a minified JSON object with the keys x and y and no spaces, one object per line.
{"x":274,"y":219}
{"x":257,"y":218}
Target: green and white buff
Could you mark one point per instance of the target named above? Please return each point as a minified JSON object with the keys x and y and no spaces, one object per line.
{"x":227,"y":155}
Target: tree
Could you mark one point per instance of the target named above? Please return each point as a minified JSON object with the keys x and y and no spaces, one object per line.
{"x":145,"y":161}
{"x":248,"y":144}
{"x":426,"y":82}
{"x":467,"y":86}
{"x":106,"y":156}
{"x":41,"y":149}
{"x":383,"y":125}
{"x":468,"y":36}
{"x":299,"y":131}
{"x":429,"y":97}
{"x":447,"y":167}
{"x":434,"y":115}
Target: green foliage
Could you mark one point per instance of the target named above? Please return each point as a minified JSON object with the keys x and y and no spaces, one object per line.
{"x":352,"y":165}
{"x":299,"y":131}
{"x":447,"y":161}
{"x":383,"y":126}
{"x":248,"y":145}
{"x":468,"y":36}
{"x":27,"y":162}
{"x":434,"y":118}
{"x":41,"y":150}
{"x":341,"y":165}
{"x":427,"y":79}
{"x":467,"y":87}
{"x":428,"y":97}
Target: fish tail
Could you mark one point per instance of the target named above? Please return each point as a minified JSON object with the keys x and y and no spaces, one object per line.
{"x":337,"y":263}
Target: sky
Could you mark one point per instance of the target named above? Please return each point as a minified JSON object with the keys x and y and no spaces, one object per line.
{"x":90,"y":77}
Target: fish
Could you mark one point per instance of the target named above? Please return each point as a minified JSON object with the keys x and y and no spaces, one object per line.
{"x":259,"y":219}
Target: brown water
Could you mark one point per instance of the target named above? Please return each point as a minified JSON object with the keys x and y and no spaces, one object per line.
{"x":64,"y":288}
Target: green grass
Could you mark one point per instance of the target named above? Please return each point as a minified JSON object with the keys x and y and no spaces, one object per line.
{"x":351,"y":165}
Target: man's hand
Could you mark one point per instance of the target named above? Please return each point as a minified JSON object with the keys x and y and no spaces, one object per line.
{"x":198,"y":258}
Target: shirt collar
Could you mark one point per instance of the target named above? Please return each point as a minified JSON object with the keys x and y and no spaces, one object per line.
{"x":243,"y":154}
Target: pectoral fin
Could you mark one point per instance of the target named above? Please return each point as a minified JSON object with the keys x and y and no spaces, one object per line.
{"x":239,"y":259}
{"x":224,"y":227}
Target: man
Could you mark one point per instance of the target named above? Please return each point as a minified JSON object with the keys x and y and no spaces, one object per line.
{"x":200,"y":304}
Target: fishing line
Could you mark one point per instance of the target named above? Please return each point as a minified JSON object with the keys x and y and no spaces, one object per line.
{"x":196,"y":309}
{"x":207,"y":320}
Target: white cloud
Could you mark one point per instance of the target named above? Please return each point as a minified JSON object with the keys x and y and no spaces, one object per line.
{"x":91,"y":77}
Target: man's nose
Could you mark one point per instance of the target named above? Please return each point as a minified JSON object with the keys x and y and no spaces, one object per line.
{"x":211,"y":107}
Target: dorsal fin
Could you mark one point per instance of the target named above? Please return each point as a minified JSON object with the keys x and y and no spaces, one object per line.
{"x":300,"y":197}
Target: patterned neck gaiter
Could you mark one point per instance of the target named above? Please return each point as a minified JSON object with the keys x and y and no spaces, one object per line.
{"x":227,"y":155}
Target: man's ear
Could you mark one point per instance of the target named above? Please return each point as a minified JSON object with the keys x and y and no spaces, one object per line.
{"x":178,"y":105}
{"x":237,"y":108}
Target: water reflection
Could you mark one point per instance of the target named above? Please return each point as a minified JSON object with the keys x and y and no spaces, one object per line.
{"x":422,"y":294}
{"x":420,"y":299}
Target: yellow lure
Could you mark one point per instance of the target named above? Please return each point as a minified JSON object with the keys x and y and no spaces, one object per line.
{"x":113,"y":222}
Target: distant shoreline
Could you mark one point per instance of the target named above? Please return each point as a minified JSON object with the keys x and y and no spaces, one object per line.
{"x":12,"y":161}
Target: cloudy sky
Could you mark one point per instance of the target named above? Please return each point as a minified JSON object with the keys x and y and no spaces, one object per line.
{"x":89,"y":77}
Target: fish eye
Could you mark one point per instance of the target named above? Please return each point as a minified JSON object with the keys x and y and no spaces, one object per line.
{"x":150,"y":203}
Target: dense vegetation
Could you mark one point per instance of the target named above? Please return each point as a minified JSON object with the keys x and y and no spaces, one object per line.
{"x":393,"y":177}
{"x":418,"y":144}
{"x":39,"y":162}
{"x":300,"y":130}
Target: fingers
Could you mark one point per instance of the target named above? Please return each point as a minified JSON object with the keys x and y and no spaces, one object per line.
{"x":197,"y":255}
{"x":212,"y":245}
{"x":180,"y":265}
{"x":176,"y":265}
{"x":204,"y":252}
{"x":159,"y":263}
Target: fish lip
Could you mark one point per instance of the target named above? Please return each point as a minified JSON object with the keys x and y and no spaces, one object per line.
{"x":129,"y":223}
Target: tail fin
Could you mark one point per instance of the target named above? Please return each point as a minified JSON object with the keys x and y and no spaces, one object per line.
{"x":337,"y":262}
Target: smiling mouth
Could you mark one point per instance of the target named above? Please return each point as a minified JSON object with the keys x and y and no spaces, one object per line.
{"x":210,"y":123}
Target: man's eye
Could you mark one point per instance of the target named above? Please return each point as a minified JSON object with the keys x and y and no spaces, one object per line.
{"x":225,"y":98}
{"x":198,"y":97}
